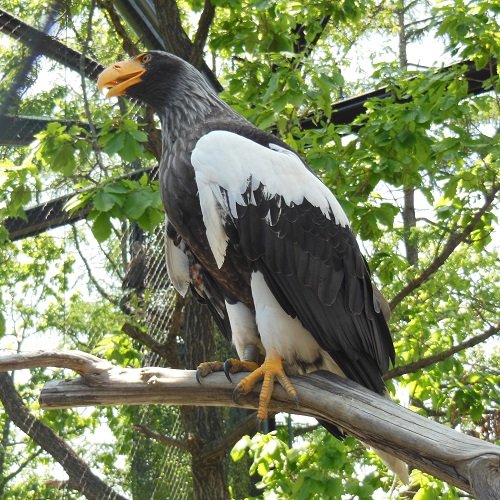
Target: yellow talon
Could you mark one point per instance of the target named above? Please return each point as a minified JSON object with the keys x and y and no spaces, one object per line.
{"x":233,"y":365}
{"x":229,"y":366}
{"x":207,"y":368}
{"x":269,"y":370}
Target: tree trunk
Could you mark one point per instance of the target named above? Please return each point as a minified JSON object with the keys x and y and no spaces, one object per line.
{"x":409,"y":218}
{"x":3,"y":446}
{"x":203,"y":425}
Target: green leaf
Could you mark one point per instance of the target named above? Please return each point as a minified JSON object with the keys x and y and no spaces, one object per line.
{"x":101,"y":227}
{"x":137,"y":202}
{"x":64,"y":159}
{"x":117,"y":188}
{"x":78,"y":201}
{"x":139,"y":135}
{"x":240,"y":448}
{"x":131,"y":149}
{"x":426,"y":493}
{"x":104,"y":201}
{"x":115,"y":143}
{"x":385,"y":214}
{"x":150,"y":219}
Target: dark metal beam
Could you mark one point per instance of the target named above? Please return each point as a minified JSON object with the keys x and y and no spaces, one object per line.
{"x":44,"y":217}
{"x":52,"y":214}
{"x":344,"y":112}
{"x":47,"y":45}
{"x":140,"y":15}
{"x":21,"y":130}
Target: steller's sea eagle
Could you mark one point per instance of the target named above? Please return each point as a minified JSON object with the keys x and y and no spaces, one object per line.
{"x":254,"y":233}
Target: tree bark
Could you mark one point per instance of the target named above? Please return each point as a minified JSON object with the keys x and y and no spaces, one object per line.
{"x":176,"y":40}
{"x":3,"y":444}
{"x":409,"y":217}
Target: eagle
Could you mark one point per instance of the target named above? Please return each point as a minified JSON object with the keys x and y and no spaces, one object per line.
{"x":254,"y":233}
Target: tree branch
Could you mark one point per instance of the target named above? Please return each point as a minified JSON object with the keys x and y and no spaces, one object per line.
{"x":82,"y":478}
{"x":86,"y":105}
{"x":453,"y":241}
{"x":128,"y":45}
{"x":136,"y":333}
{"x":165,"y":440}
{"x":90,"y":274}
{"x":435,"y":358}
{"x":248,"y":425}
{"x":176,"y":40}
{"x":461,"y":460}
{"x":300,"y":46}
{"x":300,"y":431}
{"x":206,"y":19}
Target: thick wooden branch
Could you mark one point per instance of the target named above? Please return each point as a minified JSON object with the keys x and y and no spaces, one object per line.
{"x":461,"y":460}
{"x":175,"y":38}
{"x":128,"y":45}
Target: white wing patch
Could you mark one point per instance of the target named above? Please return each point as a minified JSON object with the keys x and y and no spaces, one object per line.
{"x":177,"y":266}
{"x":213,"y":216}
{"x":229,"y":161}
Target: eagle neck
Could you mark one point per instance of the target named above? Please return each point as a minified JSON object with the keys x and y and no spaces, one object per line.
{"x":187,"y":113}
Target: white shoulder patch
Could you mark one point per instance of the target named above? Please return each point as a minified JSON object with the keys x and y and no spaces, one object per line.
{"x":177,"y":266}
{"x":229,"y":161}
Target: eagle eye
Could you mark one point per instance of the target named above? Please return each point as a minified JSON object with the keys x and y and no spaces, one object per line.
{"x":145,"y":58}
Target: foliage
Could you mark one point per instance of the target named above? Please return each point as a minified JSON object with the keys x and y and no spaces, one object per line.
{"x":315,"y":468}
{"x":123,"y":199}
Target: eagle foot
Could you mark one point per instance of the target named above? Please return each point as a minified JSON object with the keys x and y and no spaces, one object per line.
{"x":271,"y":369}
{"x":233,"y":365}
{"x":207,"y":368}
{"x":229,"y":366}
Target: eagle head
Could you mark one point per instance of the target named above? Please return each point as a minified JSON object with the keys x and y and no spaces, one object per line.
{"x":151,"y":77}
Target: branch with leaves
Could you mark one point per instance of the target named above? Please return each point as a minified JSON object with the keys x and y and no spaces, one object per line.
{"x":441,"y":356}
{"x":453,"y":242}
{"x":200,"y":39}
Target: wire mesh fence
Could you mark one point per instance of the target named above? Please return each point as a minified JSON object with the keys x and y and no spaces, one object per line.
{"x":124,"y":277}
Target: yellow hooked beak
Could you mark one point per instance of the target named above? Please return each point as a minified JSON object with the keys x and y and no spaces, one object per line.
{"x":120,"y":76}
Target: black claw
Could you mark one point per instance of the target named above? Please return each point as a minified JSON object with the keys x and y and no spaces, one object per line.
{"x":198,"y":376}
{"x":237,"y":395}
{"x":227,"y":367}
